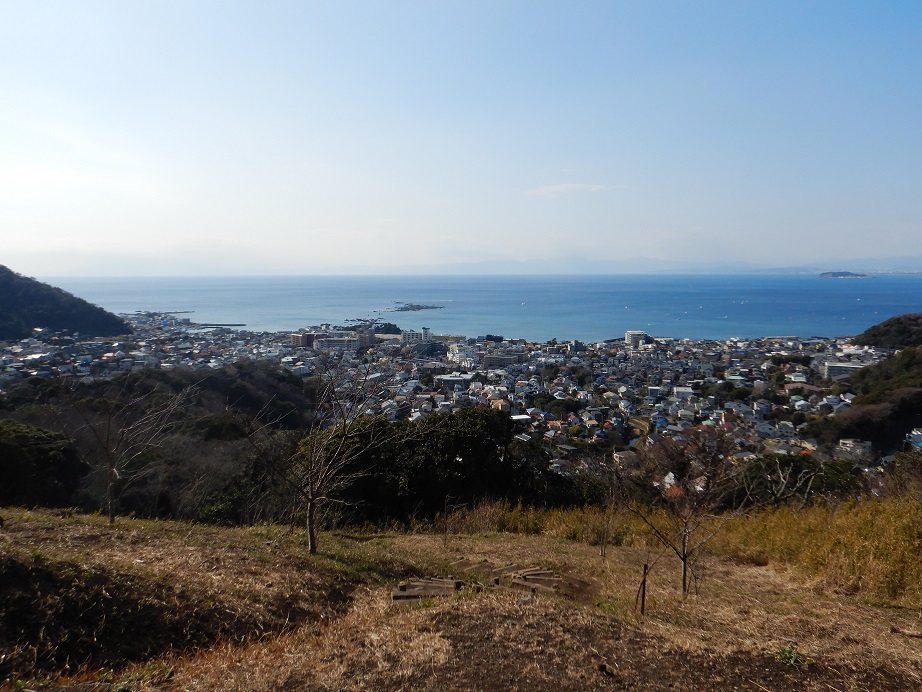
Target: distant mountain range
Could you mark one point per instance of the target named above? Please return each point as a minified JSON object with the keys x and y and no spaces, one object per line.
{"x":26,"y":304}
{"x":879,"y":265}
{"x":646,"y":265}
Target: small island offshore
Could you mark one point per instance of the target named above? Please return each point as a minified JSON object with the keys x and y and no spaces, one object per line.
{"x":844,"y":275}
{"x":415,"y":307}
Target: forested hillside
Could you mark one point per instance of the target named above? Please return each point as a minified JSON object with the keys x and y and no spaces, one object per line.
{"x":26,"y":304}
{"x":888,"y":405}
{"x":901,"y":331}
{"x":219,"y":446}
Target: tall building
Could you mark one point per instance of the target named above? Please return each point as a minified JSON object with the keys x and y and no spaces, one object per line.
{"x":302,"y":340}
{"x":633,"y":338}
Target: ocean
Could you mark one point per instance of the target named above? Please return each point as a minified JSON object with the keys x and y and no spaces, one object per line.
{"x":589,"y":308}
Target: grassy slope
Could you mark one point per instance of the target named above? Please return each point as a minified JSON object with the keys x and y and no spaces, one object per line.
{"x":264,"y":616}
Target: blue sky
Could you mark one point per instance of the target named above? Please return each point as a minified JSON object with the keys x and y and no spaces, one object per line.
{"x":306,"y":137}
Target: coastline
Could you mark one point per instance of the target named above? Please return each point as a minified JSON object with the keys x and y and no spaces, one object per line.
{"x":537,"y":308}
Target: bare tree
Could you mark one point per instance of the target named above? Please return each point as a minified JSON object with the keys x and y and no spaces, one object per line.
{"x":344,"y":431}
{"x":610,"y":473}
{"x":268,"y":448}
{"x":118,"y":431}
{"x":775,"y":479}
{"x":691,"y":477}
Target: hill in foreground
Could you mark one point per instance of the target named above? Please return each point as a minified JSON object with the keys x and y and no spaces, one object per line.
{"x":162,"y":605}
{"x":26,"y":304}
{"x":902,"y":331}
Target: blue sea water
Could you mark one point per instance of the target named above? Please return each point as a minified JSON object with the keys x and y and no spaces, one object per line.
{"x":590,"y":308}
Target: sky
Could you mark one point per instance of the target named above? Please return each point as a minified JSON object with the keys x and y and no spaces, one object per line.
{"x":223,"y":138}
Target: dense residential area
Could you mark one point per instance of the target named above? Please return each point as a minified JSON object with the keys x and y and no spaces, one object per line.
{"x":175,"y":485}
{"x":768,"y":392}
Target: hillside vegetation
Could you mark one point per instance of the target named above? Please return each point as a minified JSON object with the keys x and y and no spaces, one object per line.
{"x":902,"y":331}
{"x":26,"y":304}
{"x":888,"y":405}
{"x":225,"y":456}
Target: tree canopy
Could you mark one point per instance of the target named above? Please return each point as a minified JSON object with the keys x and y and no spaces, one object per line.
{"x":26,"y":304}
{"x":901,"y":331}
{"x":37,"y":466}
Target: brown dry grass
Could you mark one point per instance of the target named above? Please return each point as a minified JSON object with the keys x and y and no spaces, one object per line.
{"x":487,"y":639}
{"x":737,"y":606}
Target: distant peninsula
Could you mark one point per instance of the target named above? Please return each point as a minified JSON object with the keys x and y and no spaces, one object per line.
{"x":844,"y":275}
{"x":27,"y":304}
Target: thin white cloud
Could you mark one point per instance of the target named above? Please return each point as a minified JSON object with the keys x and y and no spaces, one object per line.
{"x":569,"y":189}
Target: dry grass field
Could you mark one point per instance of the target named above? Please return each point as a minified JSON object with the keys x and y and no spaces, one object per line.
{"x":170,"y":606}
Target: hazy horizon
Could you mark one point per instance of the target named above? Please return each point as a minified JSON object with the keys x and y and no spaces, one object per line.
{"x":289,"y":138}
{"x":525,"y":270}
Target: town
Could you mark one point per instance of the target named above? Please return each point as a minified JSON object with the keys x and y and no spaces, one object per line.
{"x":575,"y":397}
